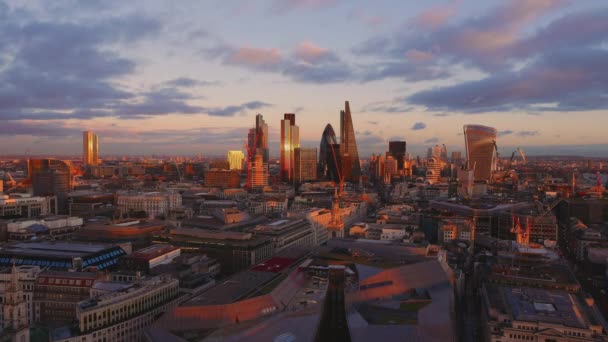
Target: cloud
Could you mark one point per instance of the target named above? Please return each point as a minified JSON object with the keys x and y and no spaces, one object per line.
{"x":436,"y":16}
{"x":186,"y":82}
{"x":418,"y":56}
{"x":309,"y":63}
{"x":525,"y":134}
{"x":255,"y":57}
{"x":432,"y":140}
{"x":418,"y":126}
{"x":562,"y":80}
{"x":372,"y":122}
{"x":283,"y":6}
{"x":487,"y":42}
{"x":505,"y":132}
{"x":233,"y":110}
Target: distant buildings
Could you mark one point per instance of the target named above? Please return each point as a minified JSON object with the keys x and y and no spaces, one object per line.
{"x":480,"y":142}
{"x":397,"y":150}
{"x":257,"y":154}
{"x":51,"y":177}
{"x":290,"y":140}
{"x":305,"y":165}
{"x":215,"y":178}
{"x":90,"y":149}
{"x":349,"y":154}
{"x":235,"y":159}
{"x":152,"y":203}
{"x":258,"y":173}
{"x":26,"y":206}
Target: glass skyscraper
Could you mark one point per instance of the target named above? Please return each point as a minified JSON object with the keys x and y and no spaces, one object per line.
{"x":351,"y":167}
{"x":90,"y":149}
{"x":479,"y":141}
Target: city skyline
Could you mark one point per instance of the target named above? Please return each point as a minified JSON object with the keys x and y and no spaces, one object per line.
{"x":151,"y":78}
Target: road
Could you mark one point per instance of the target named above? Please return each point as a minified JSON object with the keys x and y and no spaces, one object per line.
{"x":334,"y":326}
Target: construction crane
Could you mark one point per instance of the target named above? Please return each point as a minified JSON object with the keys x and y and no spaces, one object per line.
{"x":338,"y":169}
{"x":498,"y":162}
{"x":522,"y":154}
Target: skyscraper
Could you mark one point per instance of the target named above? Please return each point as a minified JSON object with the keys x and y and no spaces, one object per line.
{"x":257,"y":153}
{"x":305,"y":165}
{"x":349,"y":155}
{"x":89,"y":149}
{"x":235,"y":159}
{"x":51,"y":177}
{"x":326,"y":156}
{"x":397,"y":150}
{"x":479,"y":141}
{"x":290,"y":140}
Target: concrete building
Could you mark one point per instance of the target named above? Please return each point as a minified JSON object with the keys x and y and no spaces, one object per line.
{"x":56,"y":227}
{"x":305,"y":167}
{"x":152,"y":203}
{"x":530,"y":314}
{"x":258,"y":173}
{"x":26,"y":206}
{"x":235,"y":159}
{"x":90,"y":149}
{"x":121,"y":312}
{"x":145,"y":259}
{"x":455,"y":229}
{"x":287,"y":234}
{"x":222,"y":179}
{"x":26,"y":277}
{"x":51,"y":177}
{"x":233,"y":250}
{"x":433,"y":170}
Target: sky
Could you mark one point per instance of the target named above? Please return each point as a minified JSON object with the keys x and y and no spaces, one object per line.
{"x":189,"y":76}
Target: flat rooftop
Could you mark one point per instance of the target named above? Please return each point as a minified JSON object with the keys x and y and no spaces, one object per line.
{"x":540,"y":305}
{"x":62,"y":249}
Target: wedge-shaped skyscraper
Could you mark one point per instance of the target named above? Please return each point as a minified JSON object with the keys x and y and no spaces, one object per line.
{"x":351,"y":167}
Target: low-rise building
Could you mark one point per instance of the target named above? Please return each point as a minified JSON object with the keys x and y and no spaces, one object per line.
{"x":455,"y":229}
{"x":122,"y":311}
{"x":147,"y":258}
{"x":532,"y":314}
{"x":57,"y":227}
{"x":152,"y":203}
{"x":287,"y":234}
{"x":27,"y":206}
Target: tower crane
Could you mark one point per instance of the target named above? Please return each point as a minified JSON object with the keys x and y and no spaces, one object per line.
{"x":522,"y":154}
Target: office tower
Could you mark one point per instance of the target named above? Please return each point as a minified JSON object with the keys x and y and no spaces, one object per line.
{"x":259,"y":172}
{"x":397,"y":150}
{"x":436,"y":152}
{"x":305,"y":165}
{"x":261,"y":129}
{"x":235,"y":159}
{"x":479,"y":142}
{"x":51,"y":177}
{"x":257,"y":153}
{"x":89,"y":149}
{"x":290,"y":140}
{"x":444,"y":153}
{"x":456,"y":157}
{"x":351,"y":167}
{"x":326,"y":156}
{"x":433,"y":170}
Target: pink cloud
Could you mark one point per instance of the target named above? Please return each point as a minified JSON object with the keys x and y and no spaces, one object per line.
{"x":258,"y":57}
{"x":310,"y":53}
{"x":418,"y":56}
{"x":437,"y":16}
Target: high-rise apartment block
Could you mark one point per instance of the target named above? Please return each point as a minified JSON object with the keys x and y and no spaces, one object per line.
{"x":349,"y":154}
{"x":479,"y":141}
{"x":235,"y":159}
{"x":305,"y":165}
{"x":290,"y":140}
{"x":90,"y":149}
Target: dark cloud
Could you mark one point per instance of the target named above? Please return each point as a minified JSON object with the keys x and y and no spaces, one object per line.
{"x":432,"y":140}
{"x":233,"y":110}
{"x":418,"y":126}
{"x":564,"y":80}
{"x":403,"y":69}
{"x":505,"y":132}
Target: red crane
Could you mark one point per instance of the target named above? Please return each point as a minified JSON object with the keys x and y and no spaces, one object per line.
{"x":338,"y":168}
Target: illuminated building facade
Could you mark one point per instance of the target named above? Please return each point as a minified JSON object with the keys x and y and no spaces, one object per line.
{"x":290,"y":140}
{"x":349,"y":155}
{"x":305,"y":164}
{"x":479,"y":141}
{"x":328,"y":160}
{"x":258,"y":173}
{"x":222,"y":179}
{"x":90,"y":149}
{"x":235,"y":159}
